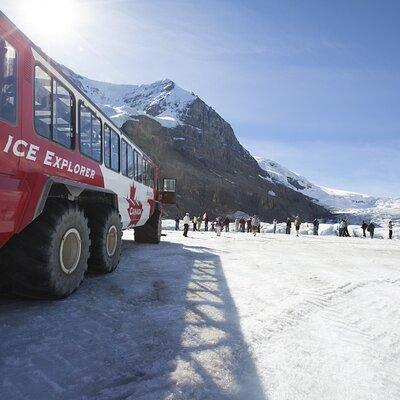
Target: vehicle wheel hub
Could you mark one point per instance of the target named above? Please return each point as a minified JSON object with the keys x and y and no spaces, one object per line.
{"x":70,"y":251}
{"x":112,"y":241}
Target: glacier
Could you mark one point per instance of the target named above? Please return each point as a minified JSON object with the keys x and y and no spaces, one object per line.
{"x":357,"y":206}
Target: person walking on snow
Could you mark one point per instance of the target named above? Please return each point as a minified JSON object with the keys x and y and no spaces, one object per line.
{"x":249,"y":225}
{"x":237,"y":224}
{"x":218,"y":226}
{"x":199,"y":223}
{"x":297,"y":223}
{"x":205,"y":219}
{"x":275,"y":222}
{"x":255,"y":224}
{"x":342,"y":226}
{"x":186,"y":222}
{"x":226,"y":223}
{"x":242,"y":223}
{"x":194,"y":224}
{"x":371,"y":229}
{"x":316,"y":226}
{"x":288,"y":226}
{"x":346,"y":228}
{"x":177,"y":222}
{"x":390,"y":226}
{"x":364,"y":227}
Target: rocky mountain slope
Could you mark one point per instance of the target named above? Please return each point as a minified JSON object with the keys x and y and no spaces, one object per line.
{"x":358,"y":206}
{"x":192,"y":142}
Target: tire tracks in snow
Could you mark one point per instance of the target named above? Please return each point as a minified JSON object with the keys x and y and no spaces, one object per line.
{"x":352,"y":312}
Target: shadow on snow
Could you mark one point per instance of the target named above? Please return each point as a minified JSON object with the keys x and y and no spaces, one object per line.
{"x":163,"y":326}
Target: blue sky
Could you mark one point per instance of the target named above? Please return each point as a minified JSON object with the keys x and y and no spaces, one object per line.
{"x":314,"y":85}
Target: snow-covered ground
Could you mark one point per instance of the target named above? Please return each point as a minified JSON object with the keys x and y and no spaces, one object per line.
{"x":358,"y":205}
{"x":206,"y":317}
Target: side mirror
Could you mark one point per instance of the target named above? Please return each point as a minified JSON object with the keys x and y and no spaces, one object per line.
{"x":168,"y":192}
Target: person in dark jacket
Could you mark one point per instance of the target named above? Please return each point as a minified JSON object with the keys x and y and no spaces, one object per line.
{"x":177,"y":222}
{"x":364,"y":227}
{"x":242,"y":224}
{"x":390,"y":226}
{"x":371,"y":229}
{"x":346,"y":228}
{"x":288,"y":226}
{"x":343,"y":228}
{"x":205,"y":219}
{"x":248,"y":225}
{"x":227,"y":221}
{"x":316,"y":226}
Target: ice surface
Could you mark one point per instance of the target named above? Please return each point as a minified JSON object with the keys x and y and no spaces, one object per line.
{"x":234,"y":317}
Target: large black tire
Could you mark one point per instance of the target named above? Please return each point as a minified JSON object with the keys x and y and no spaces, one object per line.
{"x":106,"y":238}
{"x":150,"y":232}
{"x":48,"y":259}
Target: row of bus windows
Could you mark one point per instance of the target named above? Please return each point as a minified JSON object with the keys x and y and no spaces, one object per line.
{"x":133,"y":165}
{"x":54,"y":106}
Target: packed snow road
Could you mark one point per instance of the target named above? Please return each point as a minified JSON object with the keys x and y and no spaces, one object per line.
{"x":233,"y":317}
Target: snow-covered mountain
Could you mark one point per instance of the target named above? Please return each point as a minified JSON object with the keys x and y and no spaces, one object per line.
{"x":163,"y":100}
{"x":172,"y":107}
{"x":338,"y":201}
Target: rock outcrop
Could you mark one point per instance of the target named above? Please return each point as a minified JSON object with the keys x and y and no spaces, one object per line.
{"x":213,"y":170}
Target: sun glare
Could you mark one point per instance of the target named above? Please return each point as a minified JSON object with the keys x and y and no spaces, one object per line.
{"x":52,"y":17}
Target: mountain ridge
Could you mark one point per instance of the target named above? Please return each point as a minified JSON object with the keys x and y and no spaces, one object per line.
{"x":358,"y":205}
{"x":162,"y":100}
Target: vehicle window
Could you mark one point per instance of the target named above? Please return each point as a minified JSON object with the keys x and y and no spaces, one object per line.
{"x":114,"y":151}
{"x":131,"y":168}
{"x":124,"y":160}
{"x":53,"y":109}
{"x":135,"y":162}
{"x":107,"y":146}
{"x":150,"y":175}
{"x":138,"y":167}
{"x":43,"y":103}
{"x":89,"y":133}
{"x":62,"y":115}
{"x":96,"y":138}
{"x":8,"y":82}
{"x":144,"y":173}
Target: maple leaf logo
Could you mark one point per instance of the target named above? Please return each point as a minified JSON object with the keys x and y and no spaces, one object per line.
{"x":135,"y":208}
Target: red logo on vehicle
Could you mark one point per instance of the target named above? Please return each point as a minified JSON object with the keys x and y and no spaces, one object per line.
{"x":135,"y":208}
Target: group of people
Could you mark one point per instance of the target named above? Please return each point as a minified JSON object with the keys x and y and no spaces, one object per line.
{"x":297,"y":225}
{"x":219,"y":224}
{"x":253,"y":225}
